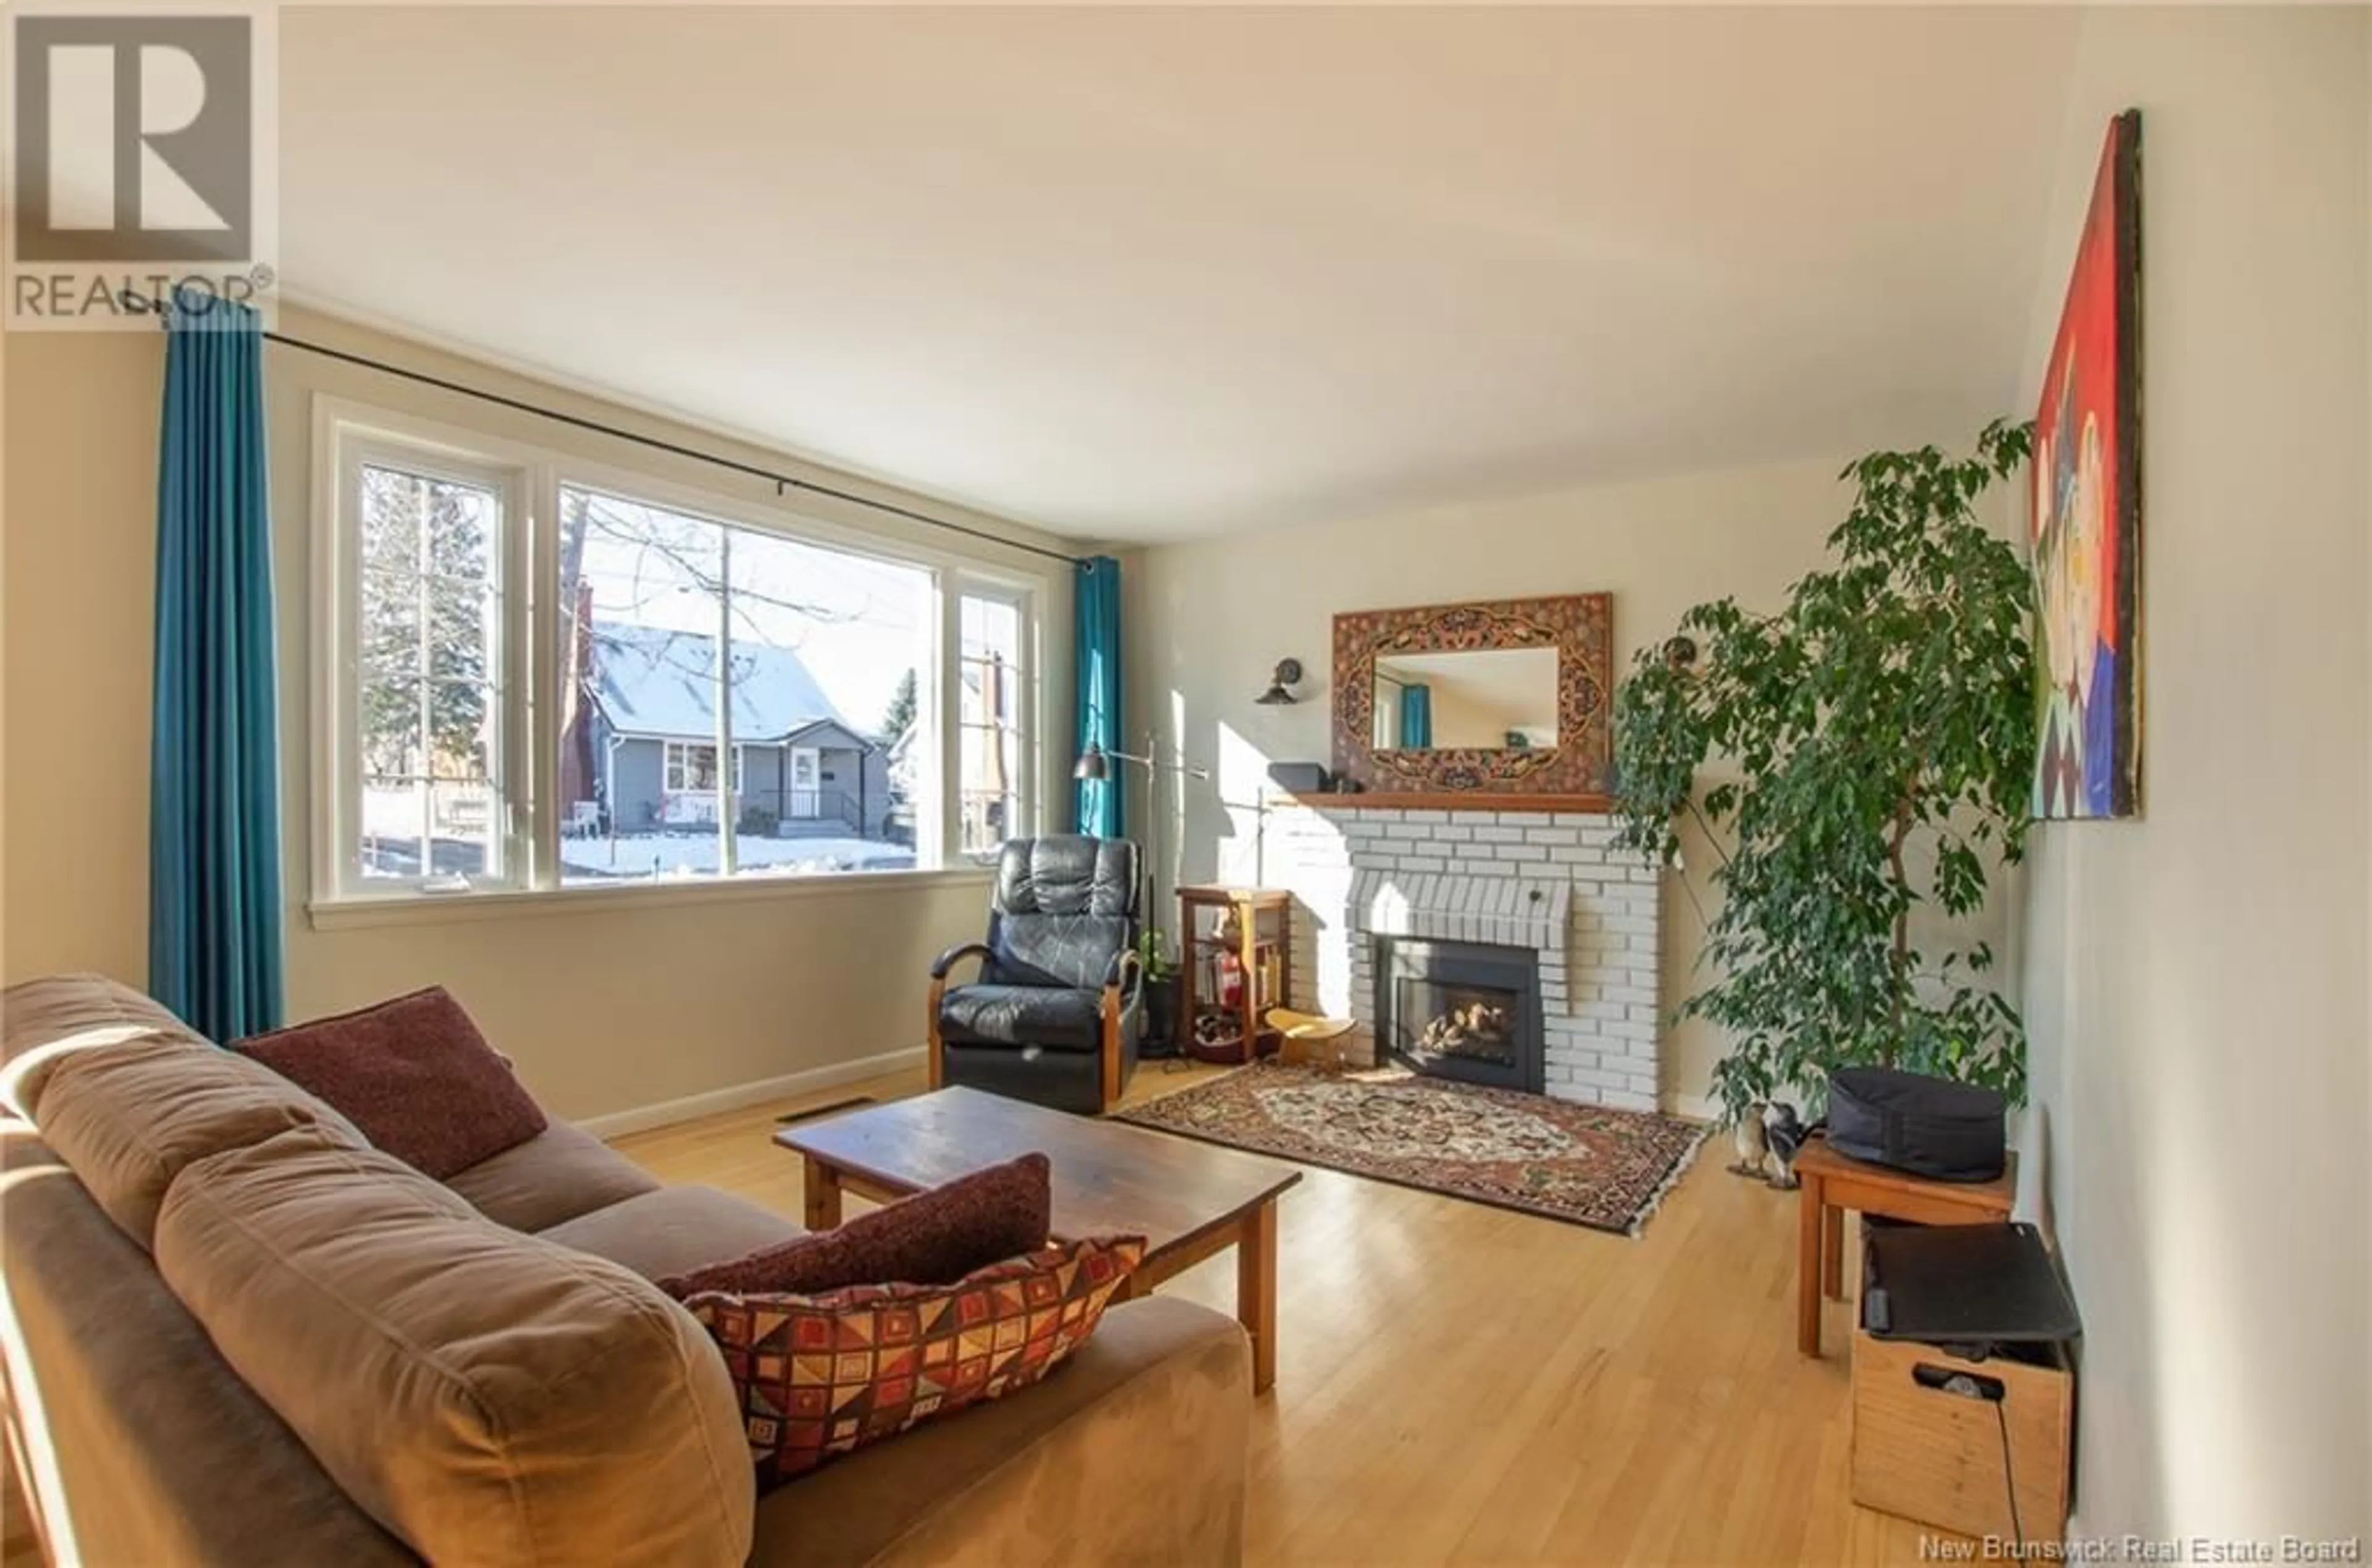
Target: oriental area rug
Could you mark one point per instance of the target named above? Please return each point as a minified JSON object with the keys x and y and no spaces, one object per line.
{"x":1583,"y":1164}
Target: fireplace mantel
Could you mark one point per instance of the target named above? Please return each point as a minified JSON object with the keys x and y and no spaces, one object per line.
{"x":1453,"y":800}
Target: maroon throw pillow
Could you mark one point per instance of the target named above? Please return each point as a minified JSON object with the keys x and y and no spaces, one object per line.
{"x":933,"y":1238}
{"x":415,"y":1075}
{"x":821,"y":1375}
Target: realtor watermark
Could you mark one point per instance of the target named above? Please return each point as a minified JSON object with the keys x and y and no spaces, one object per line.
{"x":142,"y":160}
{"x":2142,"y":1548}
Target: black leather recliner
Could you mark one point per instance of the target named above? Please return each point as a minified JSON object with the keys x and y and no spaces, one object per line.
{"x":1055,"y":1014}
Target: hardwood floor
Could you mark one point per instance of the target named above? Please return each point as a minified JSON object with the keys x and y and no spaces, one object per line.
{"x":1461,"y":1385}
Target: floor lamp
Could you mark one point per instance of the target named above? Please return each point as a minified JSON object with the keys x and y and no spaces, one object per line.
{"x":1095,"y":765}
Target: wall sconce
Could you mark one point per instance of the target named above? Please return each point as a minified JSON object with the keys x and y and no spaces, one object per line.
{"x":1281,"y":683}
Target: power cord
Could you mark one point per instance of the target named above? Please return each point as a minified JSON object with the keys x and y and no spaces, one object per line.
{"x":2009,"y":1482}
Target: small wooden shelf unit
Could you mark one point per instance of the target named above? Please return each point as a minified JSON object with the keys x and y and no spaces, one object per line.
{"x":1261,"y":942}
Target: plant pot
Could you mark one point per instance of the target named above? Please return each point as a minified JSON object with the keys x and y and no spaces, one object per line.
{"x":1160,"y":1035}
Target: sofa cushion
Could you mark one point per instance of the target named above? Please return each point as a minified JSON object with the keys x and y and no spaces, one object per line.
{"x":415,"y":1075}
{"x":150,"y":1448}
{"x":42,"y":1020}
{"x":1058,"y":1479}
{"x":561,"y":1172}
{"x":822,"y":1375}
{"x":129,"y":1117}
{"x":930,"y":1239}
{"x":488,"y":1396}
{"x":1023,"y":1015}
{"x":673,"y":1229}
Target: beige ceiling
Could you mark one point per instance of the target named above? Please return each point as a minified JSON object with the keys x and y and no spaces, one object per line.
{"x":1143,"y":274}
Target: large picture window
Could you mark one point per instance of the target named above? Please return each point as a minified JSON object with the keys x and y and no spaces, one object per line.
{"x":681,"y":635}
{"x":875,"y":707}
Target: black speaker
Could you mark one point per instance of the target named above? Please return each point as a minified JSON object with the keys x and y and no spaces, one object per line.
{"x":1301,"y":778}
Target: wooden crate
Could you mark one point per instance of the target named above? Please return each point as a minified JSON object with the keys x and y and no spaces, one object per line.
{"x":1935,"y":1456}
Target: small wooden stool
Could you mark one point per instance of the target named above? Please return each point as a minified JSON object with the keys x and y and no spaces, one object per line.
{"x":1305,"y":1033}
{"x":1835,"y":1182}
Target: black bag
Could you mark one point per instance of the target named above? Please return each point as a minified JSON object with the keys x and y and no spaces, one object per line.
{"x":1930,"y":1127}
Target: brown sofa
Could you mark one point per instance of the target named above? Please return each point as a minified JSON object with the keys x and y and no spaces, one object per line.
{"x":237,"y":1334}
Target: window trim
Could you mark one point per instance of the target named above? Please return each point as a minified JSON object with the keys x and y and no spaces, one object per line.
{"x":530,"y":558}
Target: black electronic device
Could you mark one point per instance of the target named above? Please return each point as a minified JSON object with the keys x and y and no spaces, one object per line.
{"x":1300,"y":778}
{"x":1964,"y":1284}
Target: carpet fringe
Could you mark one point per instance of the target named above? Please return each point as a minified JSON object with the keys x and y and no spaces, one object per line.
{"x":1671,"y":1180}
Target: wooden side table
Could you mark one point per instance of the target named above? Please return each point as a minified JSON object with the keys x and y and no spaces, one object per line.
{"x":1261,"y":944}
{"x":1834,"y":1182}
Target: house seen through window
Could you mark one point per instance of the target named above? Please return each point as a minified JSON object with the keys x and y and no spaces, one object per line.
{"x":686,"y":638}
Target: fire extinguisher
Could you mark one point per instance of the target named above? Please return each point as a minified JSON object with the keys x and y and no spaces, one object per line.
{"x":1231,"y":982}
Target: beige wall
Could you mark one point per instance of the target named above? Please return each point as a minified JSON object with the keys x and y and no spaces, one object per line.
{"x":2195,"y":980}
{"x":607,"y":1008}
{"x":1208,"y":620}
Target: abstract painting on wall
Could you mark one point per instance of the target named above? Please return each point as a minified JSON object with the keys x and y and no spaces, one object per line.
{"x":2086,"y":519}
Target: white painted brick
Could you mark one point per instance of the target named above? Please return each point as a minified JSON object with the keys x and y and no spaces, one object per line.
{"x":1624,"y":1099}
{"x":1575,"y":854}
{"x":1597,"y":1077}
{"x":1454,"y":834}
{"x":1628,"y":993}
{"x":1499,"y":835}
{"x":1630,"y":925}
{"x":1625,"y":1028}
{"x":1638,"y":1014}
{"x":1424,"y":815}
{"x":1422,"y":863}
{"x":1550,"y":836}
{"x":1408,"y":831}
{"x":1492,"y":867}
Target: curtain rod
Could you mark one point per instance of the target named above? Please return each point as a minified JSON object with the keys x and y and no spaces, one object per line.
{"x":781,"y":482}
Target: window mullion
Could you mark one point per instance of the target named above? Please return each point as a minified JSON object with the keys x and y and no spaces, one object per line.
{"x":422,"y":666}
{"x":721,"y":765}
{"x":531,"y":749}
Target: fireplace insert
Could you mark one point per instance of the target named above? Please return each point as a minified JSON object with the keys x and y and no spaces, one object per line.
{"x":1467,"y":1010}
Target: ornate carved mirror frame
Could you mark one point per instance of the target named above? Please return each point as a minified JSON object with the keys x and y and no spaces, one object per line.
{"x":1579,"y":626}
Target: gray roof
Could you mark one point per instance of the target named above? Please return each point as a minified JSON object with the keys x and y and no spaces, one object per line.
{"x":650,"y":681}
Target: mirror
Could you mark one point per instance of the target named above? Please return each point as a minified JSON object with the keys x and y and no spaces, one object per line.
{"x":1469,"y":699}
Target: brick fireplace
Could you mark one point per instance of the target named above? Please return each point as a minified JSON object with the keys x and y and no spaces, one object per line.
{"x":1549,"y":884}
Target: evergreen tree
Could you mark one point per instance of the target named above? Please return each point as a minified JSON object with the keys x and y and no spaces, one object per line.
{"x":427,"y":573}
{"x":902,"y":708}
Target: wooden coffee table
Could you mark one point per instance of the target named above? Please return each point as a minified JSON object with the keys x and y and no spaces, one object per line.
{"x":1187,"y":1200}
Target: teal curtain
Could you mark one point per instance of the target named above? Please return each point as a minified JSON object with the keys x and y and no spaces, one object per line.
{"x":1416,"y":717}
{"x":214,"y":814}
{"x":1096,"y":606}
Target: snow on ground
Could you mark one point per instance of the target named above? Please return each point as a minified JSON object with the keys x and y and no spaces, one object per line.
{"x":694,"y":854}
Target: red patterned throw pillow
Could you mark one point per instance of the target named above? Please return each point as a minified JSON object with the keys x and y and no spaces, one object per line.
{"x":822,"y":1375}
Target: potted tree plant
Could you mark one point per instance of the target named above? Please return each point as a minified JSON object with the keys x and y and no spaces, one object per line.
{"x":1880,"y":727}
